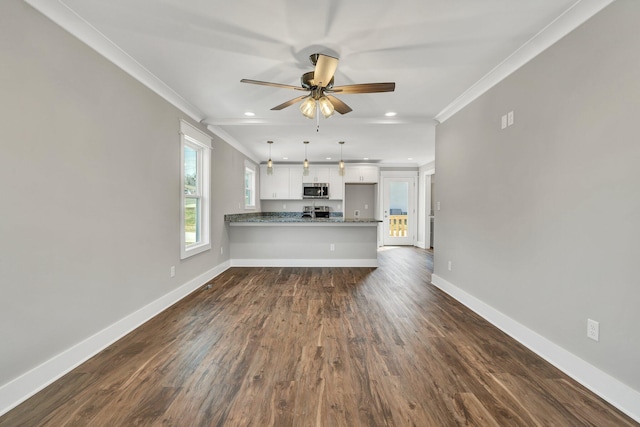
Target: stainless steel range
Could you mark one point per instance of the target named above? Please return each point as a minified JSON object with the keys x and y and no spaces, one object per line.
{"x":316,"y":212}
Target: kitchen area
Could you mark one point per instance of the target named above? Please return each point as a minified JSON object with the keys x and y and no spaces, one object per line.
{"x":326,"y":217}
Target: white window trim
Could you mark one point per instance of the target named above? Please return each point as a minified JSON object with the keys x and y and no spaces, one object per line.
{"x":253,"y":168}
{"x":190,"y":136}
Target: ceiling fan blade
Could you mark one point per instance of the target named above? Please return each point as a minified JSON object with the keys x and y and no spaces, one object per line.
{"x":258,"y":82}
{"x":290,"y":102}
{"x":339,"y":106}
{"x":364,"y":88}
{"x":325,"y":69}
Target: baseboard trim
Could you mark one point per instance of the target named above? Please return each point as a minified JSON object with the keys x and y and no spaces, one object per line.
{"x":26,"y":385}
{"x":304,"y":262}
{"x":608,"y":388}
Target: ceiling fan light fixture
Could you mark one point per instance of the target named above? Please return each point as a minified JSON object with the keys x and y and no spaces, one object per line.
{"x":326,"y":107}
{"x":308,"y":107}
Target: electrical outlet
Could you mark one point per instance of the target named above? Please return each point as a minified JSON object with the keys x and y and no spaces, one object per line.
{"x":173,"y":271}
{"x":593,"y":330}
{"x":356,"y":213}
{"x":449,"y":265}
{"x":284,"y":206}
{"x":510,"y":118}
{"x":503,"y":122}
{"x":332,"y":247}
{"x":366,"y":207}
{"x":437,"y":206}
{"x":221,"y":250}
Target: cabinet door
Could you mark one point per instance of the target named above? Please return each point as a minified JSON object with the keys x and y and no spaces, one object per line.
{"x":369,"y":173}
{"x":295,"y":183}
{"x":317,"y":174}
{"x":276,"y":186}
{"x":352,"y":174}
{"x":336,"y":184}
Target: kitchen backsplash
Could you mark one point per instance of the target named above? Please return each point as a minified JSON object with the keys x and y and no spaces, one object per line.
{"x":298,"y":205}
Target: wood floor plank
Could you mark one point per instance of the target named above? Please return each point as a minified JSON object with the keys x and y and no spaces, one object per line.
{"x":317,"y":347}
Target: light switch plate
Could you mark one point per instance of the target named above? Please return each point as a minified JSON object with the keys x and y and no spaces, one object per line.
{"x":593,"y":330}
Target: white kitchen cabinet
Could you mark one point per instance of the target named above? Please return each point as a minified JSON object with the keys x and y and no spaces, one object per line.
{"x":317,"y":174}
{"x":276,"y":186}
{"x":295,"y":183}
{"x":336,"y":184}
{"x":362,"y":174}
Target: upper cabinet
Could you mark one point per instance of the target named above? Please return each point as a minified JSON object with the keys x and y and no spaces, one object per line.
{"x":317,"y":174}
{"x":276,"y":186}
{"x":295,"y":182}
{"x":336,"y":184}
{"x":286,"y":181}
{"x":362,"y":174}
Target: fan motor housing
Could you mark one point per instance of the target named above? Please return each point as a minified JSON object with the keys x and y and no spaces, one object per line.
{"x":307,"y":81}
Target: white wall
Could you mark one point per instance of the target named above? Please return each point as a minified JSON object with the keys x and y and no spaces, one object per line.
{"x":541,"y":220}
{"x":89,"y":178}
{"x":361,"y":197}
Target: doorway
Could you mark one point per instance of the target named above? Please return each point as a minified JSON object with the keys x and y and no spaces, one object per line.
{"x":398,"y":201}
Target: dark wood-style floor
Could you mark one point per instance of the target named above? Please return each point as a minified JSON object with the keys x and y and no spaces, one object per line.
{"x":317,"y":347}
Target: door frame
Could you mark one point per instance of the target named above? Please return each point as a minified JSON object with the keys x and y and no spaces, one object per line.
{"x":425,"y":209}
{"x":412,"y":220}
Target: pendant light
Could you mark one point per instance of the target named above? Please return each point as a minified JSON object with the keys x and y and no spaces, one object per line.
{"x":341,"y":163}
{"x":269,"y":162}
{"x":305,"y":169}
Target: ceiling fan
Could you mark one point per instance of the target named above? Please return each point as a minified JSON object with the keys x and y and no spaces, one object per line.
{"x":319,"y":84}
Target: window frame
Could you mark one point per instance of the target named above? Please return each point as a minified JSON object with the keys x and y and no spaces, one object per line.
{"x":192,"y":138}
{"x":250,"y":168}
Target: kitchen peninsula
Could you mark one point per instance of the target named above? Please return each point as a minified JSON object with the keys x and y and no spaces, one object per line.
{"x":285,"y":239}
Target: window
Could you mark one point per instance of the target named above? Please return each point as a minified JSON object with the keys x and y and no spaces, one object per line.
{"x":194,"y":190}
{"x":249,"y":185}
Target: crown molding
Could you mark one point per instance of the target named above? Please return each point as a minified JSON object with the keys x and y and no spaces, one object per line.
{"x":216,"y":130}
{"x":570,"y":19}
{"x":70,"y":21}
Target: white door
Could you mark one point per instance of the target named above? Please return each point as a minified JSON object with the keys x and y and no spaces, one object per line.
{"x":398,"y":211}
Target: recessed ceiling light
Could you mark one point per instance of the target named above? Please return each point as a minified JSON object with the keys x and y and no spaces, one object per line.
{"x":366,"y":158}
{"x":328,"y":158}
{"x":410,"y":158}
{"x":390,"y":114}
{"x":285,"y":158}
{"x":249,"y":114}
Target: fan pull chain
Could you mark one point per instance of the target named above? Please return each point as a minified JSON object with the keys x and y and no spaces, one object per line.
{"x":317,"y":120}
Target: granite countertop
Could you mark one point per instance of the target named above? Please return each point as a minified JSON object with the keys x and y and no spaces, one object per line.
{"x":293,"y":217}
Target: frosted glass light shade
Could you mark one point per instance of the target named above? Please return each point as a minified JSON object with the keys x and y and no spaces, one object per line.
{"x":326,"y":107}
{"x":308,"y":108}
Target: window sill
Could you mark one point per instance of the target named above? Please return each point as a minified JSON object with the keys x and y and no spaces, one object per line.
{"x":194,"y":250}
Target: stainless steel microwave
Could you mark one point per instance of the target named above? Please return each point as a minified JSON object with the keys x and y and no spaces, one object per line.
{"x":315,"y":190}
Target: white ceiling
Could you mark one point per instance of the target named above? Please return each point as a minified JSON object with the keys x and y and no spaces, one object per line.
{"x":434,"y":50}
